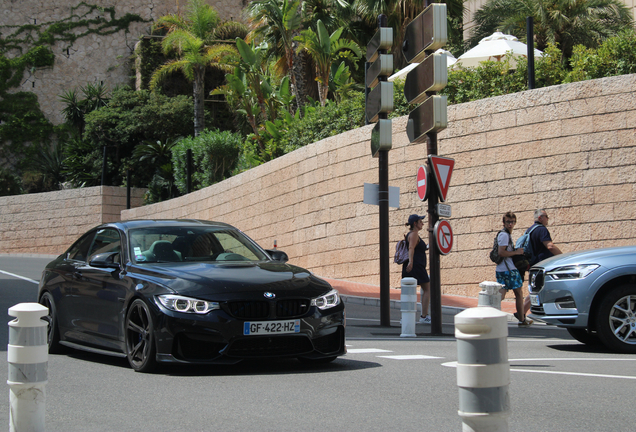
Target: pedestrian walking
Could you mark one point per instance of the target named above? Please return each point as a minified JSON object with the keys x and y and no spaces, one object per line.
{"x":415,"y":267}
{"x":506,"y":272}
{"x":542,"y":245}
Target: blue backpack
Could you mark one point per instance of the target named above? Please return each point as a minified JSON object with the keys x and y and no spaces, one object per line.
{"x":525,"y":243}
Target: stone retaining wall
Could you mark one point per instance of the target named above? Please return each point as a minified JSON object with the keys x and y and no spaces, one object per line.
{"x":568,"y":149}
{"x":48,"y":223}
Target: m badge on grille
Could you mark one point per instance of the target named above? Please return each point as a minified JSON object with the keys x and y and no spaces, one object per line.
{"x":269,"y":295}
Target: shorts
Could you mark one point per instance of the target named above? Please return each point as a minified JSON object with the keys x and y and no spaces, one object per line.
{"x":510,"y":280}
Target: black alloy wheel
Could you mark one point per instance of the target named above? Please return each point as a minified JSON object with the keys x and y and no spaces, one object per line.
{"x":583,"y":336}
{"x":140,"y":345}
{"x":616,"y":319}
{"x":52,"y":332}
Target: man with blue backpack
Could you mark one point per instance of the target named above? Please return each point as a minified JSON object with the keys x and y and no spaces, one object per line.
{"x":536,"y":241}
{"x":537,"y":245}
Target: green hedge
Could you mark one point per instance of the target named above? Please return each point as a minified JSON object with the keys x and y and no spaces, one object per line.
{"x":215,"y":154}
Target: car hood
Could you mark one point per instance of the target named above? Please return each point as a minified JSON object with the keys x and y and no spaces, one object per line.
{"x":233,"y":281}
{"x":608,"y":257}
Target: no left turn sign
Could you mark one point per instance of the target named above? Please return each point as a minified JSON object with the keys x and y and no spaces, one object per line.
{"x":444,"y":236}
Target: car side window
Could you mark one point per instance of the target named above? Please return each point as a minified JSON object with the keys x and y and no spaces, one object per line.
{"x":106,"y":240}
{"x":79,"y":250}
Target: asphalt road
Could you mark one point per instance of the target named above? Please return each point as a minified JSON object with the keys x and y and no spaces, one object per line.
{"x":384,"y":383}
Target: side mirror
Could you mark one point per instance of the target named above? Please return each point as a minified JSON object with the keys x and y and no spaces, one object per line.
{"x":106,"y":260}
{"x":277,"y":255}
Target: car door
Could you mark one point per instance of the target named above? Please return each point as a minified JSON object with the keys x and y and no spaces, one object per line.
{"x":101,"y":295}
{"x":68,"y":275}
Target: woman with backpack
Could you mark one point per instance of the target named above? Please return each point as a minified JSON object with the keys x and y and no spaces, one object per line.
{"x":415,"y":267}
{"x":506,"y":271}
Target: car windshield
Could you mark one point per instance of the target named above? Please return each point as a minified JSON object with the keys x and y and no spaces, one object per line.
{"x":176,"y":244}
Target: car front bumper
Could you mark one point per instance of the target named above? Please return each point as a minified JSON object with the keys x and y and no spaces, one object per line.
{"x":218,"y":338}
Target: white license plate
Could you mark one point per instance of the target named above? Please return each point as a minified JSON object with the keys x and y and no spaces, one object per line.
{"x":271,"y":327}
{"x":534,"y":300}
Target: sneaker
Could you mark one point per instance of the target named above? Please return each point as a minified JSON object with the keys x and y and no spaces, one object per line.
{"x":516,"y":314}
{"x":527,"y":323}
{"x":425,"y":320}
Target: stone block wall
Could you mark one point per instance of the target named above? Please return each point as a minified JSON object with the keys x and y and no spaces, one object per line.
{"x":95,"y":57}
{"x":48,"y":223}
{"x":568,"y":149}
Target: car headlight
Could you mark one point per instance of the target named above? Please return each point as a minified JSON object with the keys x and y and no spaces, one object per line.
{"x":186,"y":304}
{"x":572,"y":272}
{"x":329,"y":300}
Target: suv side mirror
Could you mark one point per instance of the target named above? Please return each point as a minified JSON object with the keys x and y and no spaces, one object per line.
{"x":277,"y":255}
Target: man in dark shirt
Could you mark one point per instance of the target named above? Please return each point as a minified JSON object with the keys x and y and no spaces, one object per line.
{"x":542,"y":245}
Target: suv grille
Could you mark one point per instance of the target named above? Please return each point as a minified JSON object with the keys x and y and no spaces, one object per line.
{"x":258,"y":310}
{"x":536,"y":280}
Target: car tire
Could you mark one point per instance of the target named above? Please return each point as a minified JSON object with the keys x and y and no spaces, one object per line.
{"x":52,"y":332}
{"x":583,"y":336}
{"x":140,"y":343}
{"x":616,"y":319}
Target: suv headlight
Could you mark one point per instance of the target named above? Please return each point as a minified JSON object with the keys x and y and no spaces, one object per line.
{"x":186,"y":304}
{"x":572,"y":272}
{"x":329,"y":300}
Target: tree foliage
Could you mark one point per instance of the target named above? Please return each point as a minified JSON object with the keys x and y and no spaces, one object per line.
{"x":564,"y":23}
{"x":215,"y":154}
{"x":189,"y":38}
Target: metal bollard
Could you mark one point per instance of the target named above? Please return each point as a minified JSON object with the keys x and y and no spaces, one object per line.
{"x":408,"y":306}
{"x":27,"y":354}
{"x":490,"y":295}
{"x":483,"y":370}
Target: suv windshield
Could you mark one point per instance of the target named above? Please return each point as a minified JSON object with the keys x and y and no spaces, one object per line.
{"x":177,"y":244}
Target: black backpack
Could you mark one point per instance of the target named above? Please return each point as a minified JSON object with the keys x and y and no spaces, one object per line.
{"x":494,"y":253}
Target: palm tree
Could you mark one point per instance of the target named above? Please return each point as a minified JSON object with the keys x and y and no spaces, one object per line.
{"x":323,"y":49}
{"x":277,"y":22}
{"x":401,"y":12}
{"x":565,"y":23}
{"x":190,"y":38}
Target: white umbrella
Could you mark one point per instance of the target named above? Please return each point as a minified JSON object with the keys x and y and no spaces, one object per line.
{"x":401,"y":74}
{"x":495,"y":47}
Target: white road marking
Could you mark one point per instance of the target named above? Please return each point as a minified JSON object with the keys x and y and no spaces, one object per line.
{"x":453,"y":364}
{"x":19,"y":277}
{"x":366,"y":351}
{"x":410,"y":357}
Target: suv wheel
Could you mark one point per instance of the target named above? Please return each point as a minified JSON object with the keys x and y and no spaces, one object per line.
{"x":616,"y":319}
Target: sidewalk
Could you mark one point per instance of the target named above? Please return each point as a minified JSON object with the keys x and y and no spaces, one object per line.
{"x":370,"y":294}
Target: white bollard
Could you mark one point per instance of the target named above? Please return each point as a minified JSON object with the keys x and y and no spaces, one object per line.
{"x":490,"y":295}
{"x":28,"y":355}
{"x":483,"y":370}
{"x":408,"y":306}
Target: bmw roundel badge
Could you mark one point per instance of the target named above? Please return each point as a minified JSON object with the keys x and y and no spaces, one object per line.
{"x":269,"y":295}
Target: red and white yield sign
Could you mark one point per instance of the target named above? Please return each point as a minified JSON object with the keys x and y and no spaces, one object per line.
{"x":443,"y":236}
{"x":422,"y":183}
{"x":442,"y":170}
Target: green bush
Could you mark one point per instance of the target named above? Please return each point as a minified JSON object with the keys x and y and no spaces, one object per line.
{"x":615,"y":56}
{"x":9,"y":183}
{"x":323,"y":122}
{"x":214,"y":156}
{"x":129,"y":119}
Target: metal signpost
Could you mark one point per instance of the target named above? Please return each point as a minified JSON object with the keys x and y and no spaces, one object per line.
{"x":425,"y":34}
{"x":379,"y":102}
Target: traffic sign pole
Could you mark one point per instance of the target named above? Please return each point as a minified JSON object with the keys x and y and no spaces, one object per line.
{"x":426,"y":33}
{"x":434,"y":255}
